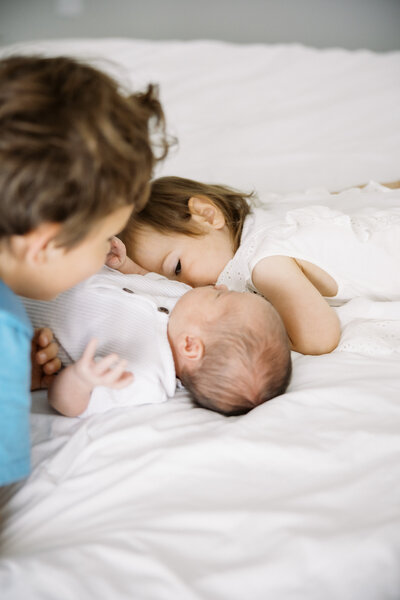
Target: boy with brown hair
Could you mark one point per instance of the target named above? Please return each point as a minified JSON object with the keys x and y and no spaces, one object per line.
{"x":75,"y":161}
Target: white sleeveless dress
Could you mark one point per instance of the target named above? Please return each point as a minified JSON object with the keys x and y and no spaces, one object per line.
{"x":360,"y":250}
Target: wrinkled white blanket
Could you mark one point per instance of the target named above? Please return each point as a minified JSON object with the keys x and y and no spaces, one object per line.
{"x":370,"y":328}
{"x":299,"y":499}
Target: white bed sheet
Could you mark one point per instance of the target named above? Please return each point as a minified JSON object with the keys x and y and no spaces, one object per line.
{"x":299,"y":499}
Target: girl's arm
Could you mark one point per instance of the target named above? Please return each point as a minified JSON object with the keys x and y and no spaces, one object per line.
{"x":70,"y":391}
{"x":312,"y":325}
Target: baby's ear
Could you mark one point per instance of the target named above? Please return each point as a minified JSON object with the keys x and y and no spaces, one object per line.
{"x":191,"y":349}
{"x":203,"y":210}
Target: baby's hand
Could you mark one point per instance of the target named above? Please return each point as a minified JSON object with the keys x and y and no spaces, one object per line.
{"x":45,"y":362}
{"x":108,"y":371}
{"x":116,"y":257}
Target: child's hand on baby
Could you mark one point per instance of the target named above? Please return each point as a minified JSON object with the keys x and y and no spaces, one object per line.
{"x":44,"y":360}
{"x":108,"y":371}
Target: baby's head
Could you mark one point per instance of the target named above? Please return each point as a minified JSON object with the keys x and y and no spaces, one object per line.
{"x":231,"y":349}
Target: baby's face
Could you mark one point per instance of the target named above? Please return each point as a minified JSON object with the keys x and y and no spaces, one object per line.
{"x":197,"y":261}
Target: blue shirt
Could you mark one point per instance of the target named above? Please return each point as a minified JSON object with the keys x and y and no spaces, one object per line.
{"x":15,"y":375}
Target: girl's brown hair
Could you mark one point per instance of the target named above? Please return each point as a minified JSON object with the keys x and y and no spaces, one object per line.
{"x":167,"y":209}
{"x":73,"y":147}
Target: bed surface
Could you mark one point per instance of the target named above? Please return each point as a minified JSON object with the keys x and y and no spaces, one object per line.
{"x":299,"y":499}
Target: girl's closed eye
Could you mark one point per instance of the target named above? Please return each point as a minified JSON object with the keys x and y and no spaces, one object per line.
{"x":178,"y":268}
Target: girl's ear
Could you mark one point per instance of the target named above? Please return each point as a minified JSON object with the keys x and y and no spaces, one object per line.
{"x":203,"y":210}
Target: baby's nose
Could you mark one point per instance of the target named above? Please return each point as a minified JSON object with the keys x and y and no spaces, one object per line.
{"x":221,"y":287}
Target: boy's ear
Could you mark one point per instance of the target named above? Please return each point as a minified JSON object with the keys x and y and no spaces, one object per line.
{"x":203,"y":210}
{"x":39,"y":243}
{"x":191,"y":349}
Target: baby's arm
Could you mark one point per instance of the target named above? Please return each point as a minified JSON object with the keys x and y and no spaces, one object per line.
{"x":117,"y":259}
{"x":70,"y":391}
{"x":312,"y":325}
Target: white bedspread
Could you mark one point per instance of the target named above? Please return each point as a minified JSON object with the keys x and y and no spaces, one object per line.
{"x":299,"y":499}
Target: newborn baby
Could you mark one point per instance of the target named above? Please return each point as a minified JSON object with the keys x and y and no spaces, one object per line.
{"x":229,"y":349}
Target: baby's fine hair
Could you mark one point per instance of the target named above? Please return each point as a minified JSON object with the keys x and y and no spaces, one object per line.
{"x":242,"y":367}
{"x":73,"y":146}
{"x":167,"y":209}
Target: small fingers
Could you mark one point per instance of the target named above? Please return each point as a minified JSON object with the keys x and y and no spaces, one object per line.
{"x":117,"y":254}
{"x":47,"y":353}
{"x":88,"y":353}
{"x":113,"y":375}
{"x":125,"y":379}
{"x":104,"y":364}
{"x":44,"y":336}
{"x":113,"y":261}
{"x":118,"y":247}
{"x":52,"y":366}
{"x":108,"y":371}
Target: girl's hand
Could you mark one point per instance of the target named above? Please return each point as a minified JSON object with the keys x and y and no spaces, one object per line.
{"x":108,"y":371}
{"x":45,"y":362}
{"x":116,"y":257}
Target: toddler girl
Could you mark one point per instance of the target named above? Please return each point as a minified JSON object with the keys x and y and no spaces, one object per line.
{"x":205,"y":234}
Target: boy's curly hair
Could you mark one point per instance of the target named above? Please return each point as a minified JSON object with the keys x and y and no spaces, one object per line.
{"x":73,"y":147}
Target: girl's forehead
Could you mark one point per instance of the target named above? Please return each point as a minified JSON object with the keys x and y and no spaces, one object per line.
{"x":148,"y":231}
{"x":147,"y":237}
{"x":170,"y":239}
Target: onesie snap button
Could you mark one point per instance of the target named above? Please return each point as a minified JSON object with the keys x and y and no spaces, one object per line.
{"x":163,"y":309}
{"x":128,"y":290}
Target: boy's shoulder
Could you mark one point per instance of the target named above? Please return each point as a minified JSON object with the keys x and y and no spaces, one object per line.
{"x":12,"y":311}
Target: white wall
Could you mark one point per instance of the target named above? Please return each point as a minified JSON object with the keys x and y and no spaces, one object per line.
{"x":373,"y":24}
